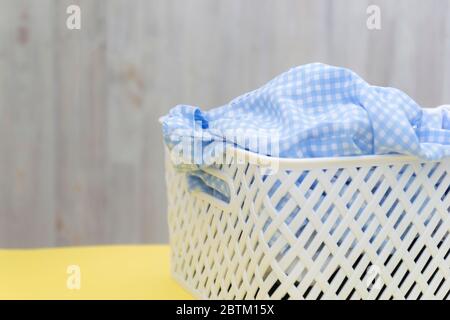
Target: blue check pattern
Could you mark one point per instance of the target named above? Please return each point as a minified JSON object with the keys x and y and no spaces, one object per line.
{"x":314,"y":110}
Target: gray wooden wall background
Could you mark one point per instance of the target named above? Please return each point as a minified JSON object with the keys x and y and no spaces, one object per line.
{"x":80,"y":146}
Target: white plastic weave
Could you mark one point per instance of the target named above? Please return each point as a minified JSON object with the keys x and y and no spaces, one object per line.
{"x":374,"y":227}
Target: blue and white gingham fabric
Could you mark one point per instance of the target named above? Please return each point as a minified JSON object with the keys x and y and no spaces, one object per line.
{"x":313,"y":110}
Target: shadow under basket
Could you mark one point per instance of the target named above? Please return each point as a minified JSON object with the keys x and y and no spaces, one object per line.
{"x":371,"y":227}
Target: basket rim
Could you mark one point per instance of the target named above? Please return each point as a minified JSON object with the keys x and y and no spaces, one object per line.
{"x":325,"y":162}
{"x":320,"y":162}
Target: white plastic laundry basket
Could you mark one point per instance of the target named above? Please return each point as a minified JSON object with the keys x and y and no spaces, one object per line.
{"x":372,"y":227}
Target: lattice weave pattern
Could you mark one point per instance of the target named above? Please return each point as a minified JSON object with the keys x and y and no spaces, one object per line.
{"x":350,"y":232}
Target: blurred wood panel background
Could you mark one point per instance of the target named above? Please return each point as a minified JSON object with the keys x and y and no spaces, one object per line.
{"x":80,"y":145}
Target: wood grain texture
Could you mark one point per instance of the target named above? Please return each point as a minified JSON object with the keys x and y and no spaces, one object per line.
{"x":81,"y":148}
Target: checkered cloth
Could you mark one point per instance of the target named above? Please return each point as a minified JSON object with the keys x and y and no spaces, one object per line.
{"x":310,"y":111}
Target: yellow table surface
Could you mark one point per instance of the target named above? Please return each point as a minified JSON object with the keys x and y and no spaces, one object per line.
{"x":106,"y":272}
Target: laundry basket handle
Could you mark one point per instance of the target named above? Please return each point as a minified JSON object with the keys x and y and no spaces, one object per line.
{"x":226,"y":206}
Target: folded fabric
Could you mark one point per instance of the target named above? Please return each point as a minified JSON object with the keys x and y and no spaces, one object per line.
{"x":311,"y":111}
